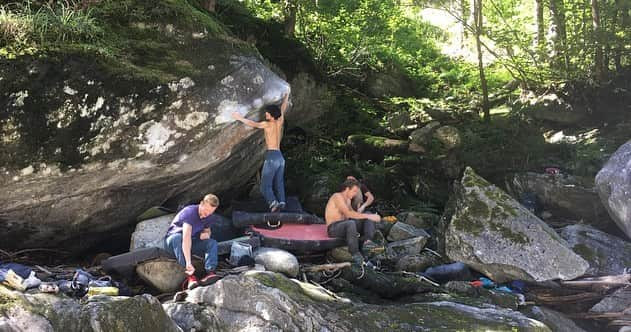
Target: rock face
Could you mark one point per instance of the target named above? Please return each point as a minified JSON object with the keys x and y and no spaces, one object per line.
{"x":404,"y":231}
{"x":613,"y":183}
{"x":605,"y":253}
{"x":494,"y":234}
{"x":562,"y":195}
{"x":87,"y":148}
{"x":619,"y":301}
{"x":45,"y":312}
{"x":275,"y":303}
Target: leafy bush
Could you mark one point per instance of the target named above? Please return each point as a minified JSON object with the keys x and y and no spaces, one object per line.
{"x":25,"y":28}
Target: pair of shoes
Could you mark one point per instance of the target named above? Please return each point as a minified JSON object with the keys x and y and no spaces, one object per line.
{"x":281,"y":205}
{"x":209,"y":279}
{"x":274,"y":206}
{"x":189,"y":283}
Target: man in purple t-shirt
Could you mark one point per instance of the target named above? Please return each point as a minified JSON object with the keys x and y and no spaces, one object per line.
{"x":189,"y":234}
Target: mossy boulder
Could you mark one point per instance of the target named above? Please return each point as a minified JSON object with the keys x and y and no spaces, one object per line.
{"x":605,"y":253}
{"x":552,"y":107}
{"x":46,"y":312}
{"x":271,"y":302}
{"x":375,"y":148}
{"x":94,"y":135}
{"x":494,"y":234}
{"x":613,"y":183}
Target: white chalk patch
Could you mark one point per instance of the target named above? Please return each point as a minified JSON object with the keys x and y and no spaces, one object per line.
{"x":19,"y":98}
{"x":191,"y":120}
{"x":227,"y":80}
{"x":156,"y":137}
{"x":258,"y":80}
{"x":225,"y":109}
{"x":69,"y":91}
{"x":27,"y":170}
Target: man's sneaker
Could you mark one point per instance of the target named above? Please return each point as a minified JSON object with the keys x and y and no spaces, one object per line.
{"x":190,"y":282}
{"x":274,"y":206}
{"x":209,"y":279}
{"x":281,"y":205}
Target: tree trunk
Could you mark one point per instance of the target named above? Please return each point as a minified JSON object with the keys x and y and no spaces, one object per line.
{"x":622,"y":10}
{"x":541,"y":41}
{"x":477,"y":9}
{"x":599,"y":68}
{"x":557,"y":12}
{"x":464,"y":13}
{"x":290,"y":18}
{"x":209,"y":5}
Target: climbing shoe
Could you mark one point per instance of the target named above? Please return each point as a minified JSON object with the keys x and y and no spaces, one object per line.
{"x":189,"y":283}
{"x":209,"y":279}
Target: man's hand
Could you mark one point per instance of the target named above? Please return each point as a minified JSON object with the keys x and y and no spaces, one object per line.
{"x":190,"y":270}
{"x":237,"y":115}
{"x":361,"y":208}
{"x":205,"y":235}
{"x":374,"y":217}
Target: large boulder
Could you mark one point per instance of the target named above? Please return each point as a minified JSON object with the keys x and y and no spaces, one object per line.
{"x":494,"y":234}
{"x":88,"y":145}
{"x":605,"y":253}
{"x":613,"y":183}
{"x":552,"y":107}
{"x":46,"y":312}
{"x":562,"y":195}
{"x":264,"y":301}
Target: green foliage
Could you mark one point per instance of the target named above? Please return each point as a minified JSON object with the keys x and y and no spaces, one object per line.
{"x":25,"y":28}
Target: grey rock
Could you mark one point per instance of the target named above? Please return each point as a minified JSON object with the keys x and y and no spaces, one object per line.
{"x":277,"y":260}
{"x":613,"y":183}
{"x":398,"y":249}
{"x":422,"y":136}
{"x":47,"y":312}
{"x":562,"y":195}
{"x":553,"y":319}
{"x":448,"y":136}
{"x":275,"y":303}
{"x":164,"y":274}
{"x":340,"y":254}
{"x":150,"y":233}
{"x":417,"y":263}
{"x":494,"y":234}
{"x":619,"y":301}
{"x":605,"y":253}
{"x":403,"y":231}
{"x":424,"y":220}
{"x":551,"y":107}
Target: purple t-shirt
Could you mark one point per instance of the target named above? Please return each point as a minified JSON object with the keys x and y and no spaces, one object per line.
{"x":190,"y":215}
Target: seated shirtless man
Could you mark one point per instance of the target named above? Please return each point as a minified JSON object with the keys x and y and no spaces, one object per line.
{"x":343,"y":222}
